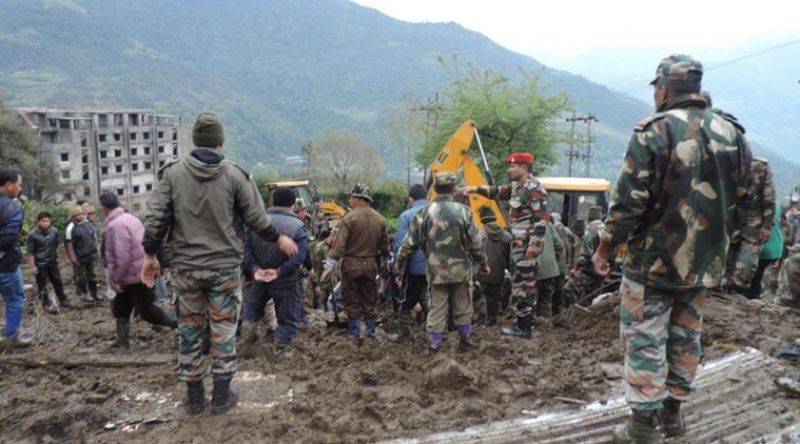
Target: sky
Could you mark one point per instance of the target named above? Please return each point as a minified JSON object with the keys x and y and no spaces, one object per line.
{"x":554,"y":32}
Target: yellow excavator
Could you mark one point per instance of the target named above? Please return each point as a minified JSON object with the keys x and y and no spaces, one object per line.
{"x":454,"y":156}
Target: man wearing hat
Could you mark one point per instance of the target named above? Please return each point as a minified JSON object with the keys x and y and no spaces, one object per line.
{"x":496,"y":244}
{"x":445,"y":231}
{"x":201,"y":200}
{"x":685,"y":173}
{"x":527,"y":219}
{"x":362,"y":242}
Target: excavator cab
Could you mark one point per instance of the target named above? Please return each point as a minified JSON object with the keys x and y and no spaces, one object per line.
{"x":324,"y":215}
{"x":573,"y":196}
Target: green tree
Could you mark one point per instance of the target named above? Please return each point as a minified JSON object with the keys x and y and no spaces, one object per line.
{"x":512,"y":114}
{"x":343,"y":158}
{"x":19,"y":147}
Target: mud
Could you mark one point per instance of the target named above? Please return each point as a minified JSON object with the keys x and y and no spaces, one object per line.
{"x":332,"y":388}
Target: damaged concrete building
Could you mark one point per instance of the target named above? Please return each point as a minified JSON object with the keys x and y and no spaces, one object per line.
{"x":98,"y":149}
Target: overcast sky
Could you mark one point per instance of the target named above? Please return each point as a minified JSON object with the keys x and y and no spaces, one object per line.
{"x":553,"y":31}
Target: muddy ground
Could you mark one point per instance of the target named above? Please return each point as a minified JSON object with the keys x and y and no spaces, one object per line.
{"x":73,"y":386}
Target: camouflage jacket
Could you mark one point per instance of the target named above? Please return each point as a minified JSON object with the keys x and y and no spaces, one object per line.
{"x":589,"y":242}
{"x":568,"y":239}
{"x":319,"y":253}
{"x":684,"y":174}
{"x":527,"y":200}
{"x":446,"y":233}
{"x":762,"y":203}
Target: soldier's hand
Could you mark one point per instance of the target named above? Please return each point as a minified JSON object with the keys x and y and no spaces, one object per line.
{"x":267,"y":275}
{"x":600,"y":265}
{"x":398,"y":280}
{"x":532,"y":252}
{"x":150,"y":269}
{"x":470,"y":189}
{"x":287,"y":245}
{"x":765,"y":235}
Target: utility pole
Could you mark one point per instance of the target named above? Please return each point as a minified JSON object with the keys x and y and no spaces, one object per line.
{"x":431,"y":105}
{"x":589,"y":141}
{"x":573,"y":153}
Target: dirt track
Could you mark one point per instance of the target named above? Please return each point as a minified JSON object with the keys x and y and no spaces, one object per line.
{"x":332,"y":389}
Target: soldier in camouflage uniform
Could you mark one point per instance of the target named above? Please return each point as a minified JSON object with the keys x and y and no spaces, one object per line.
{"x":323,"y":287}
{"x":446,"y":233}
{"x":198,"y":200}
{"x":527,"y":219}
{"x":583,"y":279}
{"x":684,"y":173}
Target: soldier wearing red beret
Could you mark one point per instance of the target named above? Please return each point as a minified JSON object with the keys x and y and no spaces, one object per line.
{"x":528,"y":221}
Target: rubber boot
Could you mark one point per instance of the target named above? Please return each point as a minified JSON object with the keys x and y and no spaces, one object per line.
{"x":642,"y":428}
{"x":224,"y":397}
{"x":492,"y":307}
{"x":123,"y":332}
{"x":195,"y":397}
{"x":465,"y":343}
{"x":354,"y":328}
{"x":671,"y":418}
{"x":372,"y":326}
{"x":435,"y":341}
{"x":282,"y":349}
{"x":247,"y":340}
{"x":93,"y":291}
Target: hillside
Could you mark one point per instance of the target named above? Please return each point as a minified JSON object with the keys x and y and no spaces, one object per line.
{"x":280,"y":72}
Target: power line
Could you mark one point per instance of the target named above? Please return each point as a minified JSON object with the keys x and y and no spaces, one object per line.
{"x":714,"y":66}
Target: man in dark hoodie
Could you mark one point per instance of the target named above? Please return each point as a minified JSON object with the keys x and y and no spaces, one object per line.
{"x":202,"y":200}
{"x":276,"y":275}
{"x":497,"y":245}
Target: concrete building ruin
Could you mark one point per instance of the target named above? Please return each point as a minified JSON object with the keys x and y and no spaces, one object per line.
{"x":98,"y":149}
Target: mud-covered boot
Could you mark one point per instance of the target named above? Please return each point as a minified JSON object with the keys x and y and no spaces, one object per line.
{"x":93,"y":291}
{"x":19,"y":340}
{"x":642,"y":428}
{"x":522,"y":329}
{"x":247,"y":340}
{"x":123,"y":333}
{"x":224,"y":397}
{"x":435,"y":341}
{"x":671,"y":418}
{"x":372,"y":327}
{"x":195,"y":397}
{"x":465,"y":343}
{"x":354,"y":328}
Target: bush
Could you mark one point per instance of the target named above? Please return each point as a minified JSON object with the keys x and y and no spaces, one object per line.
{"x":390,"y":198}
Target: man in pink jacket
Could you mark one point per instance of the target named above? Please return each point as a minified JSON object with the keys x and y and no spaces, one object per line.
{"x":124,"y":254}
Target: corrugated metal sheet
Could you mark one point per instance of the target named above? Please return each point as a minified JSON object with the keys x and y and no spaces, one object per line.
{"x":736,"y":402}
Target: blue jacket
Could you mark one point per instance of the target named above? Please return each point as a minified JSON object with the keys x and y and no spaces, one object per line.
{"x":11,"y":217}
{"x":417,"y":264}
{"x":258,"y":252}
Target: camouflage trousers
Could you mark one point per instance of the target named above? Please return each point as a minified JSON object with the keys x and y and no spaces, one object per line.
{"x":523,"y":275}
{"x":208,"y":311}
{"x":579,"y":285}
{"x":551,"y":292}
{"x":745,"y":264}
{"x":455,"y":298}
{"x":661,"y":340}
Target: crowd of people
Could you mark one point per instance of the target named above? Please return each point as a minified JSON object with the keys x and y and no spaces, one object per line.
{"x":690,"y":198}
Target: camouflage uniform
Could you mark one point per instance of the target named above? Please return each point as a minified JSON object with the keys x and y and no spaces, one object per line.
{"x":748,"y":240}
{"x":446,"y":233}
{"x":527,"y":220}
{"x":585,"y":280}
{"x":684,"y":168}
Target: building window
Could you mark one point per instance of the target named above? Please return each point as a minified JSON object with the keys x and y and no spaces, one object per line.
{"x":117,"y":137}
{"x":175,"y":151}
{"x":63,"y":124}
{"x":148,"y":165}
{"x":160,"y":163}
{"x":161,"y":149}
{"x":52,"y":137}
{"x":87,"y":191}
{"x":174,"y":134}
{"x":134,"y":167}
{"x":148,"y":187}
{"x":85,"y":158}
{"x":120,"y":191}
{"x":134,"y":119}
{"x":147,"y":151}
{"x":161,"y":134}
{"x":65,"y":174}
{"x":118,"y":120}
{"x":136,"y":189}
{"x":146,"y":135}
{"x":65,"y":157}
{"x":102,"y":120}
{"x":103,"y":154}
{"x":133,"y":136}
{"x":134,"y":152}
{"x":102,"y":137}
{"x":117,"y":153}
{"x":104,"y":171}
{"x":86,"y":172}
{"x":83,"y":140}
{"x":118,"y":168}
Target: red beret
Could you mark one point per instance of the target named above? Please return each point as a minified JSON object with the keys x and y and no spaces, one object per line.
{"x":520,"y":158}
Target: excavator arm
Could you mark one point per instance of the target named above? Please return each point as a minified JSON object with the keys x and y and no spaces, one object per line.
{"x":454,"y":156}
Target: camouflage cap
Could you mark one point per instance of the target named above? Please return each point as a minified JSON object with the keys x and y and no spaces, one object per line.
{"x":486,"y":213}
{"x":360,"y":190}
{"x":679,"y":67}
{"x":444,"y":178}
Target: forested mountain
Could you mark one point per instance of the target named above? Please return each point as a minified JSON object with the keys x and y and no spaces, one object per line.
{"x":280,"y":72}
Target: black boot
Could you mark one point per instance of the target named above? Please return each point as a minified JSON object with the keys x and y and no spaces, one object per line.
{"x":642,"y":428}
{"x":671,"y":419}
{"x":224,"y":397}
{"x":93,"y":291}
{"x":123,"y":332}
{"x":195,"y":397}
